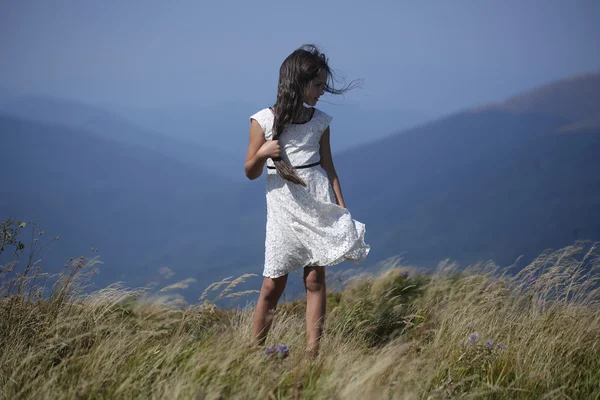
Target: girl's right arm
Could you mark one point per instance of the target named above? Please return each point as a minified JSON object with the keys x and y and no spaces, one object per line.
{"x":259,"y":151}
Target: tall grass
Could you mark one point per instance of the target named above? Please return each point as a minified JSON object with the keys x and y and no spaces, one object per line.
{"x":474,"y":333}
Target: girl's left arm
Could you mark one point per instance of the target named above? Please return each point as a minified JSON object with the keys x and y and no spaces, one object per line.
{"x":327,"y":164}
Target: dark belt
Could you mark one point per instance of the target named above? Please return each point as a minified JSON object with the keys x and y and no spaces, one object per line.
{"x":300,"y":167}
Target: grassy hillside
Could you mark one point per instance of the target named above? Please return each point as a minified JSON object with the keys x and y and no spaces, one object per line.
{"x":397,"y":334}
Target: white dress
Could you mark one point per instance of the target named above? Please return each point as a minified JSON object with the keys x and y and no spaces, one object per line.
{"x":305,"y":227}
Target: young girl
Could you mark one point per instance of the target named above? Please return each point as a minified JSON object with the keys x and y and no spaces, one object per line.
{"x":308,"y":225}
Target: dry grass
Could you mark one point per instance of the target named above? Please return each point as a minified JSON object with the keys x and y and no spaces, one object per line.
{"x":398,"y":334}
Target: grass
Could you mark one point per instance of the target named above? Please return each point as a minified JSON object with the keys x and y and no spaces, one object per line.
{"x":469,"y":333}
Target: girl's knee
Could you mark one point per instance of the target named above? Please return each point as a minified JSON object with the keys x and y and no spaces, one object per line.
{"x":272,"y":288}
{"x":314,"y":278}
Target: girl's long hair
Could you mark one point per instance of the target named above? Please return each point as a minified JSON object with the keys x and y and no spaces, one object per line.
{"x":295,"y":76}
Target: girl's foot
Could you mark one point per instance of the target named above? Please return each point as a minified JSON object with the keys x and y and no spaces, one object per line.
{"x":312,"y":352}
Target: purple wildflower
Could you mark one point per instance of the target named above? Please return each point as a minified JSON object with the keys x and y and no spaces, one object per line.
{"x":531,"y":278}
{"x":405,"y":274}
{"x":501,"y":346}
{"x":490,"y":343}
{"x":474,"y":337}
{"x":283,"y":350}
{"x":269,"y":351}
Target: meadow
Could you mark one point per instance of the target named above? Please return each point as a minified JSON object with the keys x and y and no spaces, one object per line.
{"x":475,"y":331}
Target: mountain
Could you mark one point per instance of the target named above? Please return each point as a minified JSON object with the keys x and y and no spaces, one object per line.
{"x":576,"y":99}
{"x":106,"y":124}
{"x":224,"y":126}
{"x":213,"y":136}
{"x":354,"y":126}
{"x":498,"y":182}
{"x":142,"y":209}
{"x":51,"y":110}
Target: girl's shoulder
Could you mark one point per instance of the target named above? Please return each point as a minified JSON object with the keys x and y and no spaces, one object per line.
{"x":265,"y":118}
{"x":321,"y":118}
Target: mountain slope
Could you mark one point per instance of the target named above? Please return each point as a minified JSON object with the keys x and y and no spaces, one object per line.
{"x":493,"y":183}
{"x":108,"y":125}
{"x":576,"y":99}
{"x":224,"y":126}
{"x":142,"y":209}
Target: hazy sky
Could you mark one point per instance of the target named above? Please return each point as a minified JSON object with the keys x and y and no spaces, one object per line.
{"x":424,"y":55}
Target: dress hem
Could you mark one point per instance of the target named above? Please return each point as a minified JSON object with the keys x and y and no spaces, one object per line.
{"x":335,"y":260}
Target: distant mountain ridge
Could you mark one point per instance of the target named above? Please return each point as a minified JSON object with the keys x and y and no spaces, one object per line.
{"x":97,"y":120}
{"x":577,"y":99}
{"x":495,"y":182}
{"x":491,"y":183}
{"x":225,"y":126}
{"x":141,"y":208}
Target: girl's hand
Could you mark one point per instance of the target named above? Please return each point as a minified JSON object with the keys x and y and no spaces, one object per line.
{"x":270,"y":149}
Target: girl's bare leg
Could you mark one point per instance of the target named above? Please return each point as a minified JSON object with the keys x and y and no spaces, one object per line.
{"x":271,"y":291}
{"x":314,"y":281}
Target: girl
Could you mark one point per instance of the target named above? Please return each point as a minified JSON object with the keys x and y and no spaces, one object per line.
{"x":308,"y":225}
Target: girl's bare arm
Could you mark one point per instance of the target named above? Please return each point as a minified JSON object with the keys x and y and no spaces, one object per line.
{"x":327,"y":164}
{"x":259,"y":151}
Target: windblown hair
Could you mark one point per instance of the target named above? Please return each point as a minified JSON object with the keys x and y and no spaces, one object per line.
{"x":295,"y":76}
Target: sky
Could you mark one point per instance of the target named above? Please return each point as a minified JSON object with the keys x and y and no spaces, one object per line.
{"x":435,"y":56}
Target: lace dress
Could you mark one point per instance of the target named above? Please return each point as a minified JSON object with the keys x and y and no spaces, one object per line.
{"x":305,"y":226}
